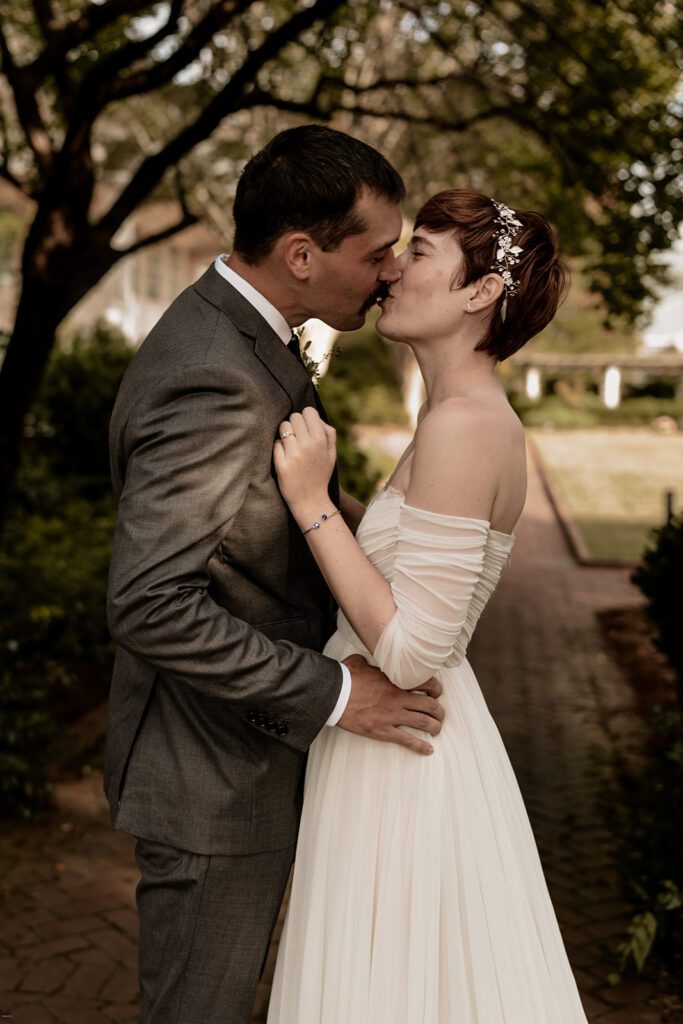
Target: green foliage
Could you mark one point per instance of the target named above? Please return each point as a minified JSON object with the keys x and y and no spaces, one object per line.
{"x":361,"y":386}
{"x":579,"y":326}
{"x":653,"y":865}
{"x":366,"y":368}
{"x":55,"y":652}
{"x":11,"y":231}
{"x":356,"y":473}
{"x":69,"y":420}
{"x":659,"y":577}
{"x":26,"y":727}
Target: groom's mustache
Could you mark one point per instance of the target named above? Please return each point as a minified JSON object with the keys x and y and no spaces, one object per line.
{"x":379,"y":293}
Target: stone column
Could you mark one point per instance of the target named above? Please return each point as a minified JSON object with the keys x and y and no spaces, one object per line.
{"x":611,"y":387}
{"x":534,"y":386}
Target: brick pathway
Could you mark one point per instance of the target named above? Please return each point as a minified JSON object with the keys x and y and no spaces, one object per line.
{"x":67,"y":942}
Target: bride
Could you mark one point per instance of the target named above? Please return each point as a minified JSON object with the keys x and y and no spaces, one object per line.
{"x":418,"y":896}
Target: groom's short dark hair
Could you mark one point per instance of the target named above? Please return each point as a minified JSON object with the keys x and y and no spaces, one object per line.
{"x":308,"y":179}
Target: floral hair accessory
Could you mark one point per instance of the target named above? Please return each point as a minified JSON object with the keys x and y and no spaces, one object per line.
{"x":507,"y":254}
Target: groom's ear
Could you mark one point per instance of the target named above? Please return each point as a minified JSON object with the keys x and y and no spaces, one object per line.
{"x":296,"y":250}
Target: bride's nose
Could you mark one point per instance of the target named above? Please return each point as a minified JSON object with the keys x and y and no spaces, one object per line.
{"x":401,"y":260}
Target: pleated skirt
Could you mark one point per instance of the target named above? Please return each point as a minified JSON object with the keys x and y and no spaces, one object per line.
{"x":418,"y":895}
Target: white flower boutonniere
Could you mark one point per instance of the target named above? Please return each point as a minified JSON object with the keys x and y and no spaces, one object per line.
{"x":313,"y":365}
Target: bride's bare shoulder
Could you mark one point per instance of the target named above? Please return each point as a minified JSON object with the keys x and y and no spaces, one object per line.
{"x":463,"y":449}
{"x":465,"y":418}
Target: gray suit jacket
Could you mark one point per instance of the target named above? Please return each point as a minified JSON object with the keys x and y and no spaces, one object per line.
{"x":215,"y":603}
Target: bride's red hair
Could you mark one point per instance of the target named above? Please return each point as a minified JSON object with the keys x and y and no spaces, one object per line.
{"x":541,"y":274}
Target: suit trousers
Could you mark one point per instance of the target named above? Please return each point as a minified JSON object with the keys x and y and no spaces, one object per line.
{"x":205,"y":927}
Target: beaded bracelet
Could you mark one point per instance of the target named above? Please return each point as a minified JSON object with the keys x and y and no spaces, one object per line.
{"x":323,"y":519}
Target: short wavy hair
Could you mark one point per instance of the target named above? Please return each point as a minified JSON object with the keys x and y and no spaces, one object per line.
{"x":309,"y":179}
{"x":541,"y":273}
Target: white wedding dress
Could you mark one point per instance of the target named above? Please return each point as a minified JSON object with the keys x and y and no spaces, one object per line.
{"x":418,"y":895}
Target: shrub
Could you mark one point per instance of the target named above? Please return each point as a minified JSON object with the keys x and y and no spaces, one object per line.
{"x":660,"y":577}
{"x":556,"y":412}
{"x":70,"y":418}
{"x":652,"y":861}
{"x":55,"y":652}
{"x":365,"y":368}
{"x":356,"y":473}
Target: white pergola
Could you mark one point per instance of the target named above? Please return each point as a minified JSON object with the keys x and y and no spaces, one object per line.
{"x":612,"y":367}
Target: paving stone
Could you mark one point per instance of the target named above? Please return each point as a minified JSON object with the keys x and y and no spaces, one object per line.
{"x":122,"y":987}
{"x":633,"y":1015}
{"x":92,"y":955}
{"x":125,"y":920}
{"x":10,"y":969}
{"x":47,"y":975}
{"x":31,"y":1013}
{"x":121,"y":1012}
{"x":87,"y":981}
{"x":70,"y":925}
{"x":67,"y":1012}
{"x":631,"y":992}
{"x":118,"y":946}
{"x":64,"y":944}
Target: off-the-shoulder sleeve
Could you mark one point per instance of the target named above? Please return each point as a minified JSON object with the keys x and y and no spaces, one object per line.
{"x":438,"y":561}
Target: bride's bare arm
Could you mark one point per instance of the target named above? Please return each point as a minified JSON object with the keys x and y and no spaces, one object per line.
{"x":450,"y":473}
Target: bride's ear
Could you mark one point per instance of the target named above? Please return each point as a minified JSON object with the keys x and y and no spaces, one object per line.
{"x":484,"y":293}
{"x":295,"y":250}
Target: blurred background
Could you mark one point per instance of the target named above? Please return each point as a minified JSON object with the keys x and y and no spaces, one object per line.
{"x":123,"y":128}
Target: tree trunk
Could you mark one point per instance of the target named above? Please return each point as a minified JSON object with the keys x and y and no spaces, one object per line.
{"x":29,"y":349}
{"x":55,"y":279}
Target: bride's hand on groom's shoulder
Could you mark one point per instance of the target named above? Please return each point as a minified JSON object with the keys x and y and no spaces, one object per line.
{"x":304,"y":455}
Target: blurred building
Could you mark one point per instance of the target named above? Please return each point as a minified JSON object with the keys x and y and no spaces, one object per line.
{"x":665,"y":330}
{"x":137,"y":290}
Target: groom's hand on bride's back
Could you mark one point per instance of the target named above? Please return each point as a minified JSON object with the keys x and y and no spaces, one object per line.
{"x":381,"y":711}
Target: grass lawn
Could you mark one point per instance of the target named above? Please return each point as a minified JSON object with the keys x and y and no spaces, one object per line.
{"x":612,"y":482}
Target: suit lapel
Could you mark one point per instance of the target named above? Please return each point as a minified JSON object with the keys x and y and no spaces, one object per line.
{"x":268,"y":347}
{"x":283,"y":366}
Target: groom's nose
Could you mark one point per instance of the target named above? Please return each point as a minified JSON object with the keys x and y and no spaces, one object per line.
{"x":390,"y":274}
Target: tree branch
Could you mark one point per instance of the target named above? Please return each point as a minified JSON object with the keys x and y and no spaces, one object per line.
{"x":44,"y":16}
{"x":92,"y":20}
{"x":153,"y":76}
{"x":229,"y":99}
{"x":5,"y":172}
{"x":186,"y":221}
{"x":10,"y":178}
{"x":131,"y":51}
{"x":47,"y":24}
{"x":26,"y":107}
{"x":310,"y":108}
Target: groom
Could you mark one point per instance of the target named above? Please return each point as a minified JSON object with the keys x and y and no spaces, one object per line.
{"x":217,"y":608}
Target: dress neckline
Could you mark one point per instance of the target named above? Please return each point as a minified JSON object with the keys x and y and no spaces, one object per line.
{"x":390,"y":489}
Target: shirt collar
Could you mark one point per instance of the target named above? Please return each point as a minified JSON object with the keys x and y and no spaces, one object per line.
{"x":270,"y":314}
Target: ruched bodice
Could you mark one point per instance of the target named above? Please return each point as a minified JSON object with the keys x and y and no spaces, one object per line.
{"x":442,"y":570}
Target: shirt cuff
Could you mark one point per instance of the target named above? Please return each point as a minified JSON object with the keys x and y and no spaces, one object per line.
{"x":343,"y":699}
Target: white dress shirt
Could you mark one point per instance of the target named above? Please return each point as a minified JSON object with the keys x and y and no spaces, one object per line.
{"x":276,"y":320}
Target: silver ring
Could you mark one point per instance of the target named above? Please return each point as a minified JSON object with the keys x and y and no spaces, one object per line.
{"x":287,"y":433}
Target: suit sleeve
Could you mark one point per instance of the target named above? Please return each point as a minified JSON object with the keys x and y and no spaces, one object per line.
{"x":189,"y":454}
